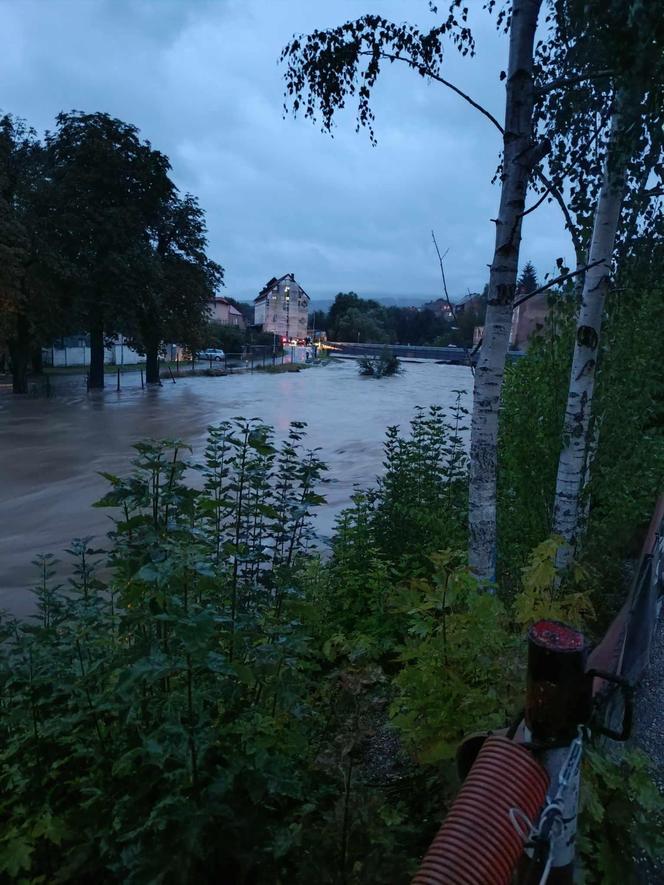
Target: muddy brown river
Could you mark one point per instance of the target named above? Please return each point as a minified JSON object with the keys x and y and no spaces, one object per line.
{"x":51,"y":450}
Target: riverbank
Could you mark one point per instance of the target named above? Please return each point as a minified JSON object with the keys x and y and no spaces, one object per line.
{"x":52,"y":450}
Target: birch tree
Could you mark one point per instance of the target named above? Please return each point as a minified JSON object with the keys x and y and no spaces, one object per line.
{"x":521,"y":154}
{"x":576,"y":429}
{"x":616,"y":54}
{"x":325,"y":68}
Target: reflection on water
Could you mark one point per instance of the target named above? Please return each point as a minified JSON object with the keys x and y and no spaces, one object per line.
{"x":51,"y":451}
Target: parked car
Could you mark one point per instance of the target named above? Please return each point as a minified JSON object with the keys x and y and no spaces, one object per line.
{"x":212,"y":353}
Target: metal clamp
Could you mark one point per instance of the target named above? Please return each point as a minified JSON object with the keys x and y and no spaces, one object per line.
{"x":627,"y":690}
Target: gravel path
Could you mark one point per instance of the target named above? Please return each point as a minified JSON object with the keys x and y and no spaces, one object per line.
{"x":649,"y":730}
{"x":649,"y":709}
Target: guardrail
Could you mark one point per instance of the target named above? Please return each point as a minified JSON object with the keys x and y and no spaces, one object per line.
{"x":448,"y":354}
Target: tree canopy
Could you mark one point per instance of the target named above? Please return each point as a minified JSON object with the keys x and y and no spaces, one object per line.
{"x":94,"y":237}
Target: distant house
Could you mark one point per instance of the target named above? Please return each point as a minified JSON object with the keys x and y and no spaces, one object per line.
{"x":282,"y":307}
{"x":440,"y":307}
{"x":528,"y":319}
{"x":226,"y":313}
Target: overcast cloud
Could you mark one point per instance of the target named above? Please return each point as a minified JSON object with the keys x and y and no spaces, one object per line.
{"x":200,"y":80}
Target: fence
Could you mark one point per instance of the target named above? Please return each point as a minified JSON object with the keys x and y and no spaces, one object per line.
{"x":79,"y":356}
{"x":518,"y":804}
{"x":119,"y":377}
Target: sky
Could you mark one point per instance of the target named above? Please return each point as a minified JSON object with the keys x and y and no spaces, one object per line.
{"x":200,"y":79}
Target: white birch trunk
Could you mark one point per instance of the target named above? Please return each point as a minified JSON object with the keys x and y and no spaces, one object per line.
{"x":519,"y":157}
{"x":567,"y":511}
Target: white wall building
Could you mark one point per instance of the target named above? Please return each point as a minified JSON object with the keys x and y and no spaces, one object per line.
{"x":282,"y":307}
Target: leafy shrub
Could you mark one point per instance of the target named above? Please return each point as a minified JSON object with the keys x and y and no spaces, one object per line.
{"x":380,"y":366}
{"x":621,"y":818}
{"x":183,"y":710}
{"x":213,"y":700}
{"x":417,"y":507}
{"x":420,"y":502}
{"x":547,"y":594}
{"x":460,"y":661}
{"x":532,"y":410}
{"x":149,"y":724}
{"x":230,"y":338}
{"x":627,"y":461}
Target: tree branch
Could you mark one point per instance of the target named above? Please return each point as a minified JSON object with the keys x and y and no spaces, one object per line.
{"x":535,"y":205}
{"x":558,"y":197}
{"x":569,"y":81}
{"x":561,"y":279}
{"x":426,"y":72}
{"x":447,"y":297}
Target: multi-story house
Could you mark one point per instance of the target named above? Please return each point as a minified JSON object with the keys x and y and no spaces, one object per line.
{"x":282,"y":307}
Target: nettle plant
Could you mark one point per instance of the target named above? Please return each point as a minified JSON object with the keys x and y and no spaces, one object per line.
{"x":420,"y":501}
{"x":418,"y":506}
{"x":158,"y":724}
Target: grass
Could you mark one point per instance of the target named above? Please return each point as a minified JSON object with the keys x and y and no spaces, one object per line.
{"x":108,"y":368}
{"x":277,"y":370}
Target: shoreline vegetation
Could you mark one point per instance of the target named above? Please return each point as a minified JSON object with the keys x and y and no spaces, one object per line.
{"x":287,"y":712}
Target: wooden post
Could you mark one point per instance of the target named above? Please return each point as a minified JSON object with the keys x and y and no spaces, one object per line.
{"x":118,"y":378}
{"x":142,"y":382}
{"x":177,"y":363}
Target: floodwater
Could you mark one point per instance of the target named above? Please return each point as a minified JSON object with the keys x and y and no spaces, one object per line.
{"x":51,"y":450}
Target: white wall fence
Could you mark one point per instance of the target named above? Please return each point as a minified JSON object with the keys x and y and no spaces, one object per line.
{"x":116,"y":355}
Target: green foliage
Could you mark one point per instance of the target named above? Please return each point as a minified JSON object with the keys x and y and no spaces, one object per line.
{"x":621,"y":817}
{"x":180,"y":711}
{"x":149,"y":724}
{"x":528,"y":278}
{"x":175,"y":280}
{"x":231,"y":339}
{"x":460,"y":661}
{"x":627,"y":470}
{"x":547,"y":594}
{"x":212,"y":700}
{"x":94,"y":237}
{"x":627,"y":461}
{"x":379,"y":366}
{"x":420,"y":500}
{"x":31,"y":296}
{"x":352,"y":318}
{"x":532,"y":408}
{"x":325,"y":70}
